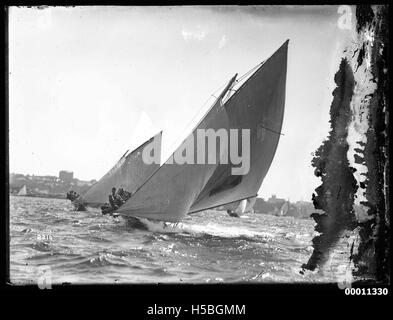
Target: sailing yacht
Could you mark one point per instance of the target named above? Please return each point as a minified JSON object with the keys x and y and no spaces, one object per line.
{"x":22,"y":191}
{"x":175,"y":190}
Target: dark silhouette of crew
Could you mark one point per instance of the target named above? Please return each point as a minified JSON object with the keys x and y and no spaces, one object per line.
{"x":116,"y":200}
{"x":124,"y":195}
{"x":72,"y":195}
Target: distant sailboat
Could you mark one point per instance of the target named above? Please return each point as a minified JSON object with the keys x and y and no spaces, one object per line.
{"x":128,"y":173}
{"x":175,"y":190}
{"x":236,"y":209}
{"x":284,"y":209}
{"x":22,"y":191}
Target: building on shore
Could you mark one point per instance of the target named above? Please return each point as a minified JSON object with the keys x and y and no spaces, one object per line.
{"x":281,"y":207}
{"x":51,"y":186}
{"x":66,"y":176}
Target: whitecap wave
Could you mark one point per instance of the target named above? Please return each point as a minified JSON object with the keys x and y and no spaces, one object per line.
{"x":212,"y":229}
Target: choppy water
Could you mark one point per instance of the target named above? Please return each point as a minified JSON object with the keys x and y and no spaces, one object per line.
{"x":86,"y":247}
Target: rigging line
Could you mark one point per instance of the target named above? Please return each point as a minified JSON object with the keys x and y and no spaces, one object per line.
{"x":212,"y":95}
{"x":196,"y":114}
{"x":253,"y":71}
{"x":272,"y":130}
{"x":249,"y":71}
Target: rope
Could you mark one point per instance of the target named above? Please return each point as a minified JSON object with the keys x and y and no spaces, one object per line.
{"x":249,"y":71}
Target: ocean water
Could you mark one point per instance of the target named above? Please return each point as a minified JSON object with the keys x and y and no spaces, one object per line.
{"x":207,"y":247}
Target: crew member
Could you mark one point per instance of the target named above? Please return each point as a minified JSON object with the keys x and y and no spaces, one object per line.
{"x":113,"y":199}
{"x":124,"y":194}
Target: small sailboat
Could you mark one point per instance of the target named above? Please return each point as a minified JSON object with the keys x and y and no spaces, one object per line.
{"x":175,"y":189}
{"x":22,"y":191}
{"x":237,"y":209}
{"x":284,"y":209}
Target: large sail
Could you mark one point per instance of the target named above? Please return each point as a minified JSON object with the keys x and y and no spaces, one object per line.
{"x":129,"y":173}
{"x":257,"y":105}
{"x":172,"y":190}
{"x":177,"y":189}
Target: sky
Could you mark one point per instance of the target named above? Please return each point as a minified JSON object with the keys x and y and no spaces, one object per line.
{"x":88,"y":83}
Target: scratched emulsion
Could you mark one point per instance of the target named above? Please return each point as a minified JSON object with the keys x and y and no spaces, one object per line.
{"x":335,"y":196}
{"x":372,"y":256}
{"x":356,"y":172}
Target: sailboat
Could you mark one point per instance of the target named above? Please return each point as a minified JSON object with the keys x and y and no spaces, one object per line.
{"x":129,"y":173}
{"x":236,"y":209}
{"x":22,"y":191}
{"x":175,"y":190}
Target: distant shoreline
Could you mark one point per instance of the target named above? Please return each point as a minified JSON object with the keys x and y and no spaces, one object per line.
{"x":45,"y":196}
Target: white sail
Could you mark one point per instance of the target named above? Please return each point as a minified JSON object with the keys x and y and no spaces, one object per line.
{"x":22,"y":191}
